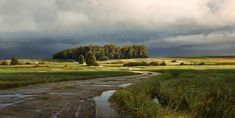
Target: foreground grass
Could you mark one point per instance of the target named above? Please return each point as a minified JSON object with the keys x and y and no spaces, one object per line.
{"x":181,"y":93}
{"x":19,"y":79}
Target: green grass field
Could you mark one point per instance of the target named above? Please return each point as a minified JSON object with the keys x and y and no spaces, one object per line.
{"x":181,"y":93}
{"x":182,"y":90}
{"x":44,"y":71}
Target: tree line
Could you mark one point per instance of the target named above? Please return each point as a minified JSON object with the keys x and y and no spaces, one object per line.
{"x":104,"y":52}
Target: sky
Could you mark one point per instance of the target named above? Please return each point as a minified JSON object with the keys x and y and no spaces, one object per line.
{"x":39,"y":28}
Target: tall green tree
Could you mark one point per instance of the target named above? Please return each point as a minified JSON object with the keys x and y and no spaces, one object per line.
{"x":81,"y":59}
{"x":90,"y":59}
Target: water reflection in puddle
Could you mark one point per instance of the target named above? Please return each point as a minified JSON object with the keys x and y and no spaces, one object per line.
{"x":60,"y":93}
{"x":103,"y":108}
{"x":125,"y":85}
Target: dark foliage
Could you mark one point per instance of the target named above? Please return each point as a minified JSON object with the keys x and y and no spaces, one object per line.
{"x":110,"y":51}
{"x":201,"y":63}
{"x":163,"y":63}
{"x":14,"y":61}
{"x":154,"y":64}
{"x":90,"y":59}
{"x":103,"y":58}
{"x":136,"y":64}
{"x":81,"y":59}
{"x":4,"y":63}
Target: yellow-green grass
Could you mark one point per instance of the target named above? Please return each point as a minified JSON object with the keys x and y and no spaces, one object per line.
{"x":181,"y":93}
{"x":70,"y":66}
{"x":19,"y":79}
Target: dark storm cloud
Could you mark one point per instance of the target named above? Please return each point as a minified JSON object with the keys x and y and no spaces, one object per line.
{"x":38,"y":28}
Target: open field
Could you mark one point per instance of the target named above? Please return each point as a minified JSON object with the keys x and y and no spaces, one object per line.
{"x":187,"y":87}
{"x":45,"y":71}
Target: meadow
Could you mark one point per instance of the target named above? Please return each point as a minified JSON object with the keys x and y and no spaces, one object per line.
{"x":186,"y":87}
{"x":189,"y":90}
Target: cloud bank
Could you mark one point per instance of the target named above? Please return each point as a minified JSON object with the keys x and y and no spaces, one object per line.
{"x":37,"y":28}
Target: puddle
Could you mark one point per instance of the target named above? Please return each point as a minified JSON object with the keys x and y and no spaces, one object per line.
{"x":18,"y":95}
{"x":103,"y":108}
{"x":60,"y":93}
{"x":125,"y":85}
{"x":12,"y":99}
{"x":103,"y":85}
{"x":4,"y":105}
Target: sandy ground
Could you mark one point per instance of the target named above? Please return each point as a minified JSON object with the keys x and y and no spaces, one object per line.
{"x":71,"y":99}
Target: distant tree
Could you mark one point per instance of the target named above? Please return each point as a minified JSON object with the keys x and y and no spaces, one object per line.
{"x":201,"y":63}
{"x":81,"y":59}
{"x":111,"y":51}
{"x":154,"y":63}
{"x":14,"y":61}
{"x":163,"y":63}
{"x":4,"y":63}
{"x":90,"y":59}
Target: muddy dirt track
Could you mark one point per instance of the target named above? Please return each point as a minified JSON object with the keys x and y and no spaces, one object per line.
{"x":71,"y":99}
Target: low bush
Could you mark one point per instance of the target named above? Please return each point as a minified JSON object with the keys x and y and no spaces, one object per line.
{"x":182,"y":64}
{"x":163,"y":63}
{"x":154,"y":64}
{"x":4,"y":63}
{"x":41,"y":62}
{"x":27,"y":63}
{"x":136,"y":64}
{"x":201,"y":63}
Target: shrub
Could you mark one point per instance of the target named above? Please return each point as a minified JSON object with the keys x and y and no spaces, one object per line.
{"x":103,"y":58}
{"x":90,"y":59}
{"x":27,"y":63}
{"x":14,"y":61}
{"x":163,"y":63}
{"x":154,"y":64}
{"x":96,"y":64}
{"x":42,"y":62}
{"x":81,"y":59}
{"x":201,"y":63}
{"x":173,"y":61}
{"x":136,"y":64}
{"x":182,"y":64}
{"x":4,"y":63}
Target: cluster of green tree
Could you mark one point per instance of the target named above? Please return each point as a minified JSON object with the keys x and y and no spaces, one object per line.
{"x":104,"y":52}
{"x":89,"y":59}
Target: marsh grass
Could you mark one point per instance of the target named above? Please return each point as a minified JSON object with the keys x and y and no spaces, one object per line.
{"x":19,"y":79}
{"x":181,"y":93}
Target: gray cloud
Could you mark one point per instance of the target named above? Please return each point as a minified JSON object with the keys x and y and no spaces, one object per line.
{"x":39,"y":28}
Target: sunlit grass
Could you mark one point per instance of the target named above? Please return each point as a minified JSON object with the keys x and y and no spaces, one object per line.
{"x":191,"y":93}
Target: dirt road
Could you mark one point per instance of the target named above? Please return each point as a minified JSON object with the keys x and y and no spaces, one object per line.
{"x":71,"y":99}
